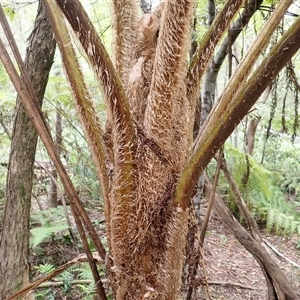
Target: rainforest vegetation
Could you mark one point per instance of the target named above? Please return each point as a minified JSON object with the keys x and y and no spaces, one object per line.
{"x":127,"y":126}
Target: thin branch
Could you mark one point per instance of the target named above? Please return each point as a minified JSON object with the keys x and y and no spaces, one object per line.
{"x":212,"y":196}
{"x":118,"y":105}
{"x":6,"y":130}
{"x":123,"y":130}
{"x":254,"y":230}
{"x":205,"y":223}
{"x":87,"y":113}
{"x":236,"y":29}
{"x":280,"y":254}
{"x":242,"y":286}
{"x":99,"y":285}
{"x":246,"y":65}
{"x":62,"y":283}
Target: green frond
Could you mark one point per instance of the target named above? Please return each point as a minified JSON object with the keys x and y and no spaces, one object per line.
{"x":85,"y":272}
{"x":263,"y":197}
{"x":45,"y":268}
{"x":293,"y":227}
{"x":278,"y":222}
{"x":270,"y":220}
{"x":42,"y":233}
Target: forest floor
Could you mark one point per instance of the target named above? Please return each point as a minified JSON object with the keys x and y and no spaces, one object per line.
{"x":231,"y":272}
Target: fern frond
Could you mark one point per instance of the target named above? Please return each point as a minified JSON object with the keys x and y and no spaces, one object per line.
{"x":42,"y":233}
{"x":45,"y":268}
{"x":278,"y":222}
{"x":270,"y":220}
{"x":298,"y":229}
{"x":293,"y":227}
{"x":85,"y":272}
{"x":264,"y":197}
{"x":287,"y":224}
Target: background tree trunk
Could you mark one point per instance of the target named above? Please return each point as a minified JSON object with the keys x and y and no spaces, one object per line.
{"x":15,"y":235}
{"x":250,"y":135}
{"x":209,"y":88}
{"x":58,"y":143}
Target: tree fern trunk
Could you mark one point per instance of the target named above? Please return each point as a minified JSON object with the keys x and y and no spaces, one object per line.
{"x":152,"y":166}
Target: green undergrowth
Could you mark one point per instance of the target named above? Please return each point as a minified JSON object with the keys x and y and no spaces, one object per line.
{"x":47,"y":224}
{"x":264,"y":193}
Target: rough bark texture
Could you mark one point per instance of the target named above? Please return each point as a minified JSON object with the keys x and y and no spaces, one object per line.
{"x":151,"y":131}
{"x":250,"y":135}
{"x":125,"y":14}
{"x":53,"y":197}
{"x":155,"y":239}
{"x":15,"y":236}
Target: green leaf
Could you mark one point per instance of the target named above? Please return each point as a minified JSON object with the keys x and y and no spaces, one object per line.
{"x":42,"y":233}
{"x":10,"y":12}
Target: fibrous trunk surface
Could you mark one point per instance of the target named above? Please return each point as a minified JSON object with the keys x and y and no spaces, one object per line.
{"x":155,"y":231}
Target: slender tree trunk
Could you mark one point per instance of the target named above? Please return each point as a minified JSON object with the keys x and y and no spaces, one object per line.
{"x":58,"y":143}
{"x":208,"y":96}
{"x":14,"y":268}
{"x":250,"y":134}
{"x":209,"y":88}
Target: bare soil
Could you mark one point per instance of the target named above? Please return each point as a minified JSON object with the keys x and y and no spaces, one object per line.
{"x":231,"y":271}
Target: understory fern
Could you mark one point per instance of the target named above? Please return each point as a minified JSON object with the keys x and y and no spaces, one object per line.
{"x":262,"y":194}
{"x":51,"y":221}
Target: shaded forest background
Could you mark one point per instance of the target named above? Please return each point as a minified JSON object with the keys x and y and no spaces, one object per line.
{"x":263,"y":153}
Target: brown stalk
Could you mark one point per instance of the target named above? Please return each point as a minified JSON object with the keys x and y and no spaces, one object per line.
{"x":125,"y":14}
{"x":205,"y":50}
{"x":211,"y":198}
{"x":227,"y":114}
{"x":83,"y":103}
{"x":123,"y":131}
{"x":167,"y":90}
{"x":254,"y":230}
